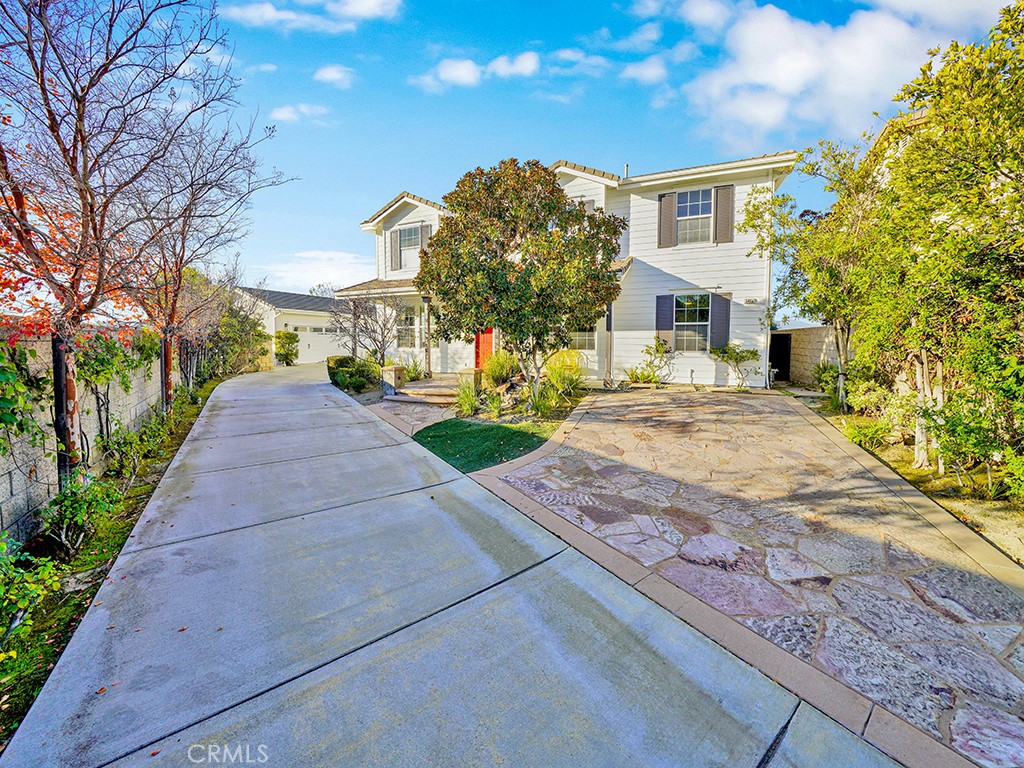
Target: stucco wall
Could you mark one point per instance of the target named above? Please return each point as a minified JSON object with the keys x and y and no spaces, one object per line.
{"x":28,"y":478}
{"x":810,"y":346}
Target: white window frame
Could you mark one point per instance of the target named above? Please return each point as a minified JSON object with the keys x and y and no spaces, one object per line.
{"x":678,"y":326}
{"x":589,"y":335}
{"x":695,"y":213}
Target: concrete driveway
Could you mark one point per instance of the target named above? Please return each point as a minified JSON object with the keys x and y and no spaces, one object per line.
{"x":308,"y":587}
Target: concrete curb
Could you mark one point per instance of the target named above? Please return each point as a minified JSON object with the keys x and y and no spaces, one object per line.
{"x":875,"y":724}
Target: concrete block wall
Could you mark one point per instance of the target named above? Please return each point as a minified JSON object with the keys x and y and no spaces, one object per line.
{"x":810,"y":346}
{"x":28,"y":478}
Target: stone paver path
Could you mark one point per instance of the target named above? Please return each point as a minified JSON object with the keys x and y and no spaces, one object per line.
{"x":308,"y":587}
{"x":745,"y":504}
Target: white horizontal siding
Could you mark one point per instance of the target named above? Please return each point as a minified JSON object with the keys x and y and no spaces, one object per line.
{"x":579,"y":188}
{"x":406,"y":215}
{"x":721,"y":268}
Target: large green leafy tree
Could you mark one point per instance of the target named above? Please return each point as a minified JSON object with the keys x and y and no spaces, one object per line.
{"x":517,"y":254}
{"x":948,"y":294}
{"x":819,"y":257}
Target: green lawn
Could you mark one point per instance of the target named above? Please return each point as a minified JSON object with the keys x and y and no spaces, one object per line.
{"x":469,"y":446}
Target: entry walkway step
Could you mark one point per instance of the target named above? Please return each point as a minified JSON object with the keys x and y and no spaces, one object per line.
{"x":427,"y":399}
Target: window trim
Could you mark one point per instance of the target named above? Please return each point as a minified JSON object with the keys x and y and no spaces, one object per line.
{"x":407,"y":323}
{"x":591,"y":334}
{"x":676,"y":326}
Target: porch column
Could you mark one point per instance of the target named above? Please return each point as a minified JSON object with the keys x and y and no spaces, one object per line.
{"x":426,"y":310}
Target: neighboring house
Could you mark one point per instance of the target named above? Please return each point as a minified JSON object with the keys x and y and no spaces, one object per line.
{"x":308,"y":316}
{"x":685,"y":272}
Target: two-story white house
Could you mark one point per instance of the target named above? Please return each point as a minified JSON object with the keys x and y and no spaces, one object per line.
{"x":685,"y":273}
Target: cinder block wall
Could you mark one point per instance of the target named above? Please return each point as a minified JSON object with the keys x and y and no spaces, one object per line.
{"x":810,"y":346}
{"x":28,"y":479}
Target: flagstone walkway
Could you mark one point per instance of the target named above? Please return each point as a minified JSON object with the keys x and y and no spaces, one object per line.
{"x":749,"y":504}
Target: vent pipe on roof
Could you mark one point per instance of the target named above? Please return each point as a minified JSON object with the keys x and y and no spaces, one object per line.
{"x":625,"y":171}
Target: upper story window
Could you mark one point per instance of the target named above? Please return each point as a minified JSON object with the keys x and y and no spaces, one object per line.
{"x":409,"y":237}
{"x":693,"y":216}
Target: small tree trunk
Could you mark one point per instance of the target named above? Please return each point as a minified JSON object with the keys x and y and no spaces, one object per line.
{"x":920,"y":427}
{"x":939,"y":400}
{"x":67,"y":421}
{"x":166,"y":367}
{"x":841,"y":336}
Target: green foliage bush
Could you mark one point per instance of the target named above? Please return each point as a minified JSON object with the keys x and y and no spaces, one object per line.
{"x":494,"y":404}
{"x":467,"y":399}
{"x":1014,"y":478}
{"x":826,"y":376}
{"x":736,"y":357}
{"x":286,"y":347}
{"x":24,"y":582}
{"x":566,"y":380}
{"x":868,"y":397}
{"x":414,"y":370}
{"x":502,"y":367}
{"x":654,"y":367}
{"x":22,"y":396}
{"x":348,"y":379}
{"x":870,"y":435}
{"x":542,"y":401}
{"x":70,"y":515}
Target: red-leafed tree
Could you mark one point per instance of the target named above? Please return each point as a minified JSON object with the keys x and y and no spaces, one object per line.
{"x":99,"y":94}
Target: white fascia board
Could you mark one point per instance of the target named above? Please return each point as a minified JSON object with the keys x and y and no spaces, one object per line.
{"x":585,"y":175}
{"x":775,"y":163}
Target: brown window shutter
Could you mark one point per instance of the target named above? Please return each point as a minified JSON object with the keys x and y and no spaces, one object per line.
{"x":396,"y":252}
{"x":721,"y":309}
{"x":425,"y":231}
{"x":664,"y":319}
{"x":725,"y":213}
{"x":667,"y":220}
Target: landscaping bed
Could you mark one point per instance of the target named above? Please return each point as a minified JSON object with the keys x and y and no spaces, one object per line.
{"x":55,"y":619}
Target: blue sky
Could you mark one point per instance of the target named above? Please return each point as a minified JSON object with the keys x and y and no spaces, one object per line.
{"x":372,"y":97}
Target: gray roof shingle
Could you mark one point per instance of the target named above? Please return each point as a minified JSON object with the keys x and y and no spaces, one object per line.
{"x":297,"y":301}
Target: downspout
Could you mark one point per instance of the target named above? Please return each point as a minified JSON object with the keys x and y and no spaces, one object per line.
{"x":768,"y":303}
{"x":609,"y":382}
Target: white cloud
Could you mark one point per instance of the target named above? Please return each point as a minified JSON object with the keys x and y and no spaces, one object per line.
{"x":524,"y":65}
{"x":292,"y":113}
{"x":811,"y":73}
{"x":462,"y":72}
{"x":951,"y":14}
{"x":646,"y":8}
{"x":466,"y":73}
{"x":337,"y":75}
{"x":649,"y":71}
{"x":711,"y":15}
{"x":683,"y":51}
{"x":365,"y":9}
{"x":266,"y":14}
{"x":640,"y":40}
{"x":574,"y":61}
{"x":300,"y":271}
{"x":262,"y":68}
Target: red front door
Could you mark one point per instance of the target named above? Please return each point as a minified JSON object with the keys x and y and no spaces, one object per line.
{"x":484,"y":347}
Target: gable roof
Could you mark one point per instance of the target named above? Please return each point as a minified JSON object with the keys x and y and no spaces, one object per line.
{"x":297,"y":301}
{"x":583,"y":169}
{"x":402,"y":197}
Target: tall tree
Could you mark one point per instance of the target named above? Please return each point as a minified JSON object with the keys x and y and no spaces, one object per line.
{"x":99,"y":93}
{"x":821,"y":257}
{"x":199,"y":198}
{"x":517,"y":254}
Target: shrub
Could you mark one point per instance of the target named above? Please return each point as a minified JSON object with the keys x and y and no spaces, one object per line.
{"x":566,"y":380}
{"x":414,"y":370}
{"x":826,"y":376}
{"x":24,"y":582}
{"x":900,"y":413}
{"x":542,"y":401}
{"x":357,"y":384}
{"x":494,"y":404}
{"x":871,"y":435}
{"x":736,"y":357}
{"x":502,"y":367}
{"x":368,"y":369}
{"x":1014,"y":478}
{"x":334,"y":362}
{"x":466,"y":398}
{"x":654,"y":367}
{"x":286,"y":347}
{"x":867,"y":397}
{"x":70,"y":515}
